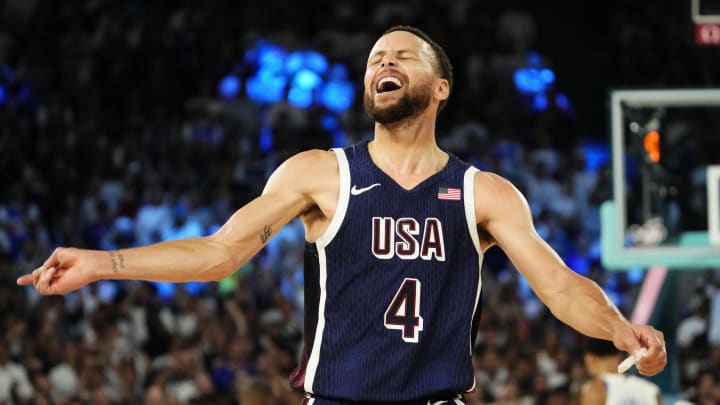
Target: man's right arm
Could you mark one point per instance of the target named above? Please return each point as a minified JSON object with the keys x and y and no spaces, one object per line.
{"x":288,"y":193}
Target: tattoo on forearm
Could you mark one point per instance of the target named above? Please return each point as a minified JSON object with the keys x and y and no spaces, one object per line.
{"x":267,"y":231}
{"x":118,"y":261}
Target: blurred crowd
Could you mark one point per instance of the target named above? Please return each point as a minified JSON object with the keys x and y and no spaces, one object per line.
{"x":112,"y":136}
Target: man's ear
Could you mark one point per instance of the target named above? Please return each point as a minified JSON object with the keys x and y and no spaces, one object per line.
{"x":442,"y":90}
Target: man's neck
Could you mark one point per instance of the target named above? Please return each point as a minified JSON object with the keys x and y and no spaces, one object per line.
{"x":607,"y":365}
{"x":407,"y":150}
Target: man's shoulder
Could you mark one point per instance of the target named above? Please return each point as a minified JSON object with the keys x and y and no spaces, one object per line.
{"x":593,"y":392}
{"x":306,"y":172}
{"x":312,"y":161}
{"x":496,"y":198}
{"x":493,"y":184}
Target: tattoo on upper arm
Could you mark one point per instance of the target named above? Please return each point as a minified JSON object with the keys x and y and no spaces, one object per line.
{"x":118,"y":261}
{"x":267,"y":231}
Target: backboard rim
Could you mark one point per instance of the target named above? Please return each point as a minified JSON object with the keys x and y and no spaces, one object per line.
{"x":713,"y":195}
{"x":702,"y":18}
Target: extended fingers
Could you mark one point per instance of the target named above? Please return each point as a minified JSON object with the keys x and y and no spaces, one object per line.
{"x":53,"y":260}
{"x":43,"y":284}
{"x":656,"y":358}
{"x":26,"y":279}
{"x":31,"y":278}
{"x":652,"y":365}
{"x":655,"y":341}
{"x":41,"y":277}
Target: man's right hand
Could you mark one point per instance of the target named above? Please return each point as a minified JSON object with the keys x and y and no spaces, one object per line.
{"x":66,"y":270}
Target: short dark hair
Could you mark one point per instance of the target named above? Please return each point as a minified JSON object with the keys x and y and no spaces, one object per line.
{"x":599,"y":347}
{"x":443,"y":67}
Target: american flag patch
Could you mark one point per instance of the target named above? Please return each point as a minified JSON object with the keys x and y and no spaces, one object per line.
{"x":449,"y":193}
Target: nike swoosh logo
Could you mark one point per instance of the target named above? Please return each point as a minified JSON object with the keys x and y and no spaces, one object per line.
{"x":357,"y":191}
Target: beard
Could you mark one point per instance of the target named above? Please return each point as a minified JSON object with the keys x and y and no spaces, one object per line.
{"x":410,"y":104}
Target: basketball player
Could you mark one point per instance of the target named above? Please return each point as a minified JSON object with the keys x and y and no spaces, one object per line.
{"x":607,"y":386}
{"x":396,"y":232}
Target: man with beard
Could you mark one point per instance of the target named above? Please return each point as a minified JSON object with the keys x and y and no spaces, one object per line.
{"x":396,"y":231}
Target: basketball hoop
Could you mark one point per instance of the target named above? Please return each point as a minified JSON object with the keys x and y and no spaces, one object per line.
{"x":707,"y":34}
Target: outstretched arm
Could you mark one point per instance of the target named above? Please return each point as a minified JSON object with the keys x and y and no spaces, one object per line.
{"x":288,"y":193}
{"x":575,"y":300}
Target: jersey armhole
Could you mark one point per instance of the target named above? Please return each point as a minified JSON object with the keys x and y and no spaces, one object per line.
{"x":469,"y":201}
{"x":469,"y":205}
{"x":343,"y":199}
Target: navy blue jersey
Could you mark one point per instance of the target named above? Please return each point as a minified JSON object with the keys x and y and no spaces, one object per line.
{"x":392,"y":287}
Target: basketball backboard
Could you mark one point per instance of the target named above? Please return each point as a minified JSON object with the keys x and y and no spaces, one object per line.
{"x":665,"y":143}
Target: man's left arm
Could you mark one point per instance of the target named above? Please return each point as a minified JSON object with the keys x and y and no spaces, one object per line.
{"x":576,"y":300}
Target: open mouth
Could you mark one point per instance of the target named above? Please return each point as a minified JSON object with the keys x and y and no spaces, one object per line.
{"x":387,"y":84}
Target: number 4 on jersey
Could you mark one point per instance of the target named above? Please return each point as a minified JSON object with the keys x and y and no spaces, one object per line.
{"x":403,"y":313}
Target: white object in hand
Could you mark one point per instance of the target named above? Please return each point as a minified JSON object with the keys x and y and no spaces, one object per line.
{"x":632,"y":360}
